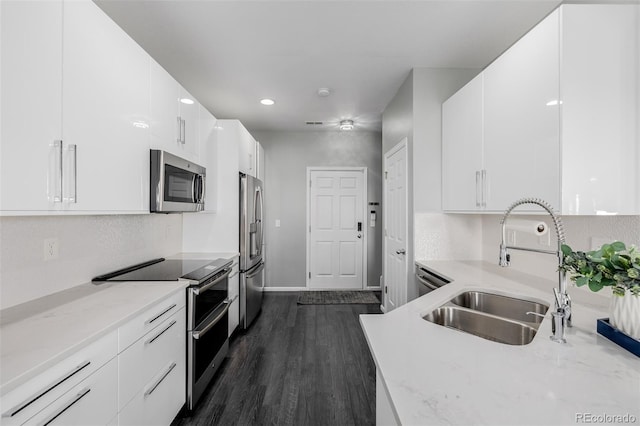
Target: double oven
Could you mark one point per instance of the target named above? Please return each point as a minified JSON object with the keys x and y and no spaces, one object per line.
{"x":207,"y":312}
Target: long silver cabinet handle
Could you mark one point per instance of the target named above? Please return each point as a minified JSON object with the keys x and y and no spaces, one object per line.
{"x":477,"y":190}
{"x":73,"y":175}
{"x":150,"y":320}
{"x":15,"y":410}
{"x":179,"y":129}
{"x":56,"y":181}
{"x":156,"y":384}
{"x":184,"y":131}
{"x":153,"y":339}
{"x":75,"y":399}
{"x":485,"y":188}
{"x":198,"y":334}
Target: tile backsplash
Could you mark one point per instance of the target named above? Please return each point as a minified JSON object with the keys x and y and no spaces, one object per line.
{"x":87,"y":246}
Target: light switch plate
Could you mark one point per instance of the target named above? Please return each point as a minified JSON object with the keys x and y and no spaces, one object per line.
{"x":277,"y":223}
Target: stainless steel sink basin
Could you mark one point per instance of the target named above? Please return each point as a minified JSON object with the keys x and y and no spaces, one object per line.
{"x":491,"y":316}
{"x":486,"y":326}
{"x":502,"y":306}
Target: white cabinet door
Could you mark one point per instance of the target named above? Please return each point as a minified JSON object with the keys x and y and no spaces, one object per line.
{"x":260,"y":161}
{"x":189,"y":114}
{"x":462,"y":149}
{"x":209,"y":157}
{"x":247,"y":151}
{"x":164,"y":107}
{"x":106,"y":111}
{"x":31,"y":49}
{"x":601,"y":109}
{"x":521,"y":120}
{"x":94,"y":401}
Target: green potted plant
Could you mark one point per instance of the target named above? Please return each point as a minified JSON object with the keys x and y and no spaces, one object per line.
{"x":613,"y":265}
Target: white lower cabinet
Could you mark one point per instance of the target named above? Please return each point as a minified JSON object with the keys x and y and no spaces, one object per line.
{"x":48,"y":388}
{"x":143,"y":382}
{"x":234,"y":295}
{"x":92,"y":402}
{"x":152,"y":375}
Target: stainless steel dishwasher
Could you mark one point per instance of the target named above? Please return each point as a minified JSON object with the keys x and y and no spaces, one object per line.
{"x":429,"y":280}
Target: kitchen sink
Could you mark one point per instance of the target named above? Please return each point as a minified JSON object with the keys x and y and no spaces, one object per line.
{"x":503,"y":319}
{"x":502,"y":306}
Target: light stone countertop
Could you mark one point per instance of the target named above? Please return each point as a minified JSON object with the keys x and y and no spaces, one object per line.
{"x":36,"y":335}
{"x":435,"y":375}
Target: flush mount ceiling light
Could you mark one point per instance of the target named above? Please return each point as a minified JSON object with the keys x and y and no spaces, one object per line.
{"x":554,"y":102}
{"x":187,"y":101}
{"x":323,"y":92}
{"x":267,"y":101}
{"x":346,"y":125}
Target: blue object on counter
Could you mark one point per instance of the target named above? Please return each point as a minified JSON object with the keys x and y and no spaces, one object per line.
{"x":618,"y":337}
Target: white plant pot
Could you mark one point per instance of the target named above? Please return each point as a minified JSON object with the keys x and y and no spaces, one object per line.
{"x":625,"y":314}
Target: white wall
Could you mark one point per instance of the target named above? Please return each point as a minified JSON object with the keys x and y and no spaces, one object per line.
{"x":288,"y":154}
{"x":88,"y":246}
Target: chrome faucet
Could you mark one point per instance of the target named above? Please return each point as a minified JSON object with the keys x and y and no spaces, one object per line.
{"x":562,"y":314}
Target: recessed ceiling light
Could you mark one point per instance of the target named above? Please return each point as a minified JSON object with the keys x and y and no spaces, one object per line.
{"x":267,"y":101}
{"x":346,"y":125}
{"x":554,"y":102}
{"x":187,"y":101}
{"x":323,"y":92}
{"x":140,"y":124}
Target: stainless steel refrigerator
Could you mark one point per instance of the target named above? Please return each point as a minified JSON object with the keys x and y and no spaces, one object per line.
{"x":251,"y":248}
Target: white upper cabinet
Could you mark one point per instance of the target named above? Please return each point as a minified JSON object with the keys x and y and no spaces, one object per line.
{"x":600,"y":81}
{"x":174,"y":116}
{"x":31,"y":49}
{"x":559,"y":118}
{"x":209,"y":157}
{"x":260,"y":161}
{"x":247,"y":151}
{"x":105,"y":112}
{"x":462,"y":149}
{"x":521,"y":131}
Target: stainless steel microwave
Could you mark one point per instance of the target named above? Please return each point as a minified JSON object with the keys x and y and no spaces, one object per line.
{"x":177,"y":185}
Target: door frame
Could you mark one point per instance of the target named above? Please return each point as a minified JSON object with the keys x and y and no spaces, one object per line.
{"x":365,"y":230}
{"x":402,"y":144}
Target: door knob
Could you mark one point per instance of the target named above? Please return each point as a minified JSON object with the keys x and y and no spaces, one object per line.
{"x":401,"y":251}
{"x":359,"y":235}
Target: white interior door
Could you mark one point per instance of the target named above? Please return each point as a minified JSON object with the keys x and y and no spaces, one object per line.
{"x":336,"y":229}
{"x":395,"y":225}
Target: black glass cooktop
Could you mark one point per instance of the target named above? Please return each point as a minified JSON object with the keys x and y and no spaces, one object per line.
{"x":167,"y":270}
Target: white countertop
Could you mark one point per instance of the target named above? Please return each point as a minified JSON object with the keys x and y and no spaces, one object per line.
{"x":435,"y":375}
{"x":38,"y":334}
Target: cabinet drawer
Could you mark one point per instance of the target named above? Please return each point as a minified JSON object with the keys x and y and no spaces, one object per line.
{"x":141,"y":361}
{"x":149,"y":319}
{"x":36,"y":394}
{"x":92,"y":402}
{"x":160,"y":399}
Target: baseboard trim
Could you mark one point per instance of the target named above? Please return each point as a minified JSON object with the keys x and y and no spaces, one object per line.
{"x":275,"y":289}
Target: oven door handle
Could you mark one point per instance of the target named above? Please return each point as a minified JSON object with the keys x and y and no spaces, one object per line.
{"x":426,"y":283}
{"x":199,"y":333}
{"x":198,"y":290}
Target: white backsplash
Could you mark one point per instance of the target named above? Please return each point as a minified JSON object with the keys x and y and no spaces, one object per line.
{"x":88,"y":246}
{"x":447,"y":236}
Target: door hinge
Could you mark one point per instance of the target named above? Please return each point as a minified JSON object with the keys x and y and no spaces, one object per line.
{"x":386,"y":289}
{"x":385,"y":174}
{"x":309,"y":275}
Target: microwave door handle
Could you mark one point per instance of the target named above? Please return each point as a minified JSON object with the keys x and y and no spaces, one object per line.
{"x":193,"y":188}
{"x":201,"y":183}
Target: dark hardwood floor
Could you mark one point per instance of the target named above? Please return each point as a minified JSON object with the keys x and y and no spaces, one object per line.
{"x":296,"y":365}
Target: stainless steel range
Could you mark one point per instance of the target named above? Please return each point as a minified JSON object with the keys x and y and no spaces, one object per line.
{"x":207,"y":312}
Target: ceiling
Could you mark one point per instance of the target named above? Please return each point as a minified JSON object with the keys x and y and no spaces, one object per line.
{"x":231,"y":54}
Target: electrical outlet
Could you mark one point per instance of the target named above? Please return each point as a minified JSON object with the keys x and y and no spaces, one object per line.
{"x":51,"y":249}
{"x":277,"y":223}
